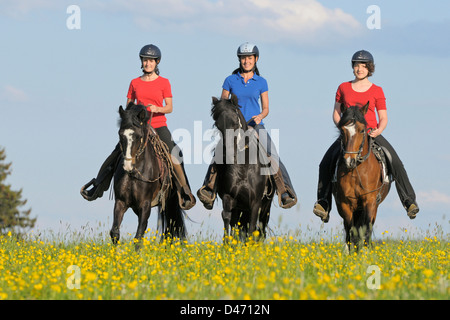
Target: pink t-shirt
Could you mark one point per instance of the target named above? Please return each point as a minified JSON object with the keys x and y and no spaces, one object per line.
{"x":151,"y":92}
{"x":374,"y":95}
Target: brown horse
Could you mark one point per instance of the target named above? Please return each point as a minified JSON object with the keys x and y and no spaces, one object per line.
{"x":360,"y":185}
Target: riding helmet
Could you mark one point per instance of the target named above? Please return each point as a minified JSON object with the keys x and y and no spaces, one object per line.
{"x":247,"y":49}
{"x":362,"y":56}
{"x":150,"y":51}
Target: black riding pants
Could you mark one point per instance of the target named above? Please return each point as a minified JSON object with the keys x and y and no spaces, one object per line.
{"x":327,"y":169}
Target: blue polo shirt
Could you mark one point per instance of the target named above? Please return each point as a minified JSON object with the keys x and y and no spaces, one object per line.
{"x":248,"y":94}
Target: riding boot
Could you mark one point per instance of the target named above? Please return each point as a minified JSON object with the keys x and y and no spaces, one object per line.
{"x":207,"y":193}
{"x":327,"y":168}
{"x":286,"y":195}
{"x":104,"y":177}
{"x":403,"y":185}
{"x":185,"y":196}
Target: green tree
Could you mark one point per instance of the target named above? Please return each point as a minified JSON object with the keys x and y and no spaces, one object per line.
{"x":11,"y":218}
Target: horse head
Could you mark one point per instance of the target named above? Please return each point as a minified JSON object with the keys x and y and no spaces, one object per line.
{"x":133,"y":133}
{"x":353,"y":129}
{"x":227,"y":115}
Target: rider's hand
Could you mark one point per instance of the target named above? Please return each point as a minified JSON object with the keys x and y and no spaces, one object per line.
{"x":375,"y":133}
{"x":152,"y":108}
{"x":257,"y":119}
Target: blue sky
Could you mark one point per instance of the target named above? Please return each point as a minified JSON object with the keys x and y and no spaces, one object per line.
{"x":60,"y":90}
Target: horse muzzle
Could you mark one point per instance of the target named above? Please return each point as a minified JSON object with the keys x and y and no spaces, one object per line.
{"x":128,"y":164}
{"x":350,"y":163}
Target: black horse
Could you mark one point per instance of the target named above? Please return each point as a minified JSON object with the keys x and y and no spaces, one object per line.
{"x":243,"y":184}
{"x":143,"y":178}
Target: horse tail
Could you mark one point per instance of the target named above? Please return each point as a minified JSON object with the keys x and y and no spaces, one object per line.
{"x":171,"y":219}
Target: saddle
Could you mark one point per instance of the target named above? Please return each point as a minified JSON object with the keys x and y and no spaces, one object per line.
{"x":384,"y":157}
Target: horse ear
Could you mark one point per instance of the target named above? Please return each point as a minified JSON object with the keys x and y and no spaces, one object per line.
{"x":143,"y":115}
{"x":234,"y":100}
{"x":130,"y":104}
{"x":343,"y":108}
{"x":214,"y":100}
{"x":121,"y":111}
{"x":365,"y":108}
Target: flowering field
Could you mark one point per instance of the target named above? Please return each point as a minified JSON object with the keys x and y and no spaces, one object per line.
{"x":278,"y":268}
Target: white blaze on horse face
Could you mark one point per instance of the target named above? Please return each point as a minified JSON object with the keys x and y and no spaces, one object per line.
{"x":351,"y":129}
{"x":127,"y":165}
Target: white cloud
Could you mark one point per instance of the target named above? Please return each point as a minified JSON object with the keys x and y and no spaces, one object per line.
{"x":433,"y":196}
{"x":14,"y":94}
{"x":299,"y":21}
{"x":296,"y":21}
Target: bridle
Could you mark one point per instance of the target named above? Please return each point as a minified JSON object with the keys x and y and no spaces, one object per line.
{"x":359,"y":158}
{"x":142,"y":145}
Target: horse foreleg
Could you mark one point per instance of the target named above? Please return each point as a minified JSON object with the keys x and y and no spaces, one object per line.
{"x":254,"y":212}
{"x":347,"y":215}
{"x":143,"y":214}
{"x":119,"y":211}
{"x":371,"y":214}
{"x":227,"y":202}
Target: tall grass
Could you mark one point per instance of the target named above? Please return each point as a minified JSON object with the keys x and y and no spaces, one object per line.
{"x":73,"y":266}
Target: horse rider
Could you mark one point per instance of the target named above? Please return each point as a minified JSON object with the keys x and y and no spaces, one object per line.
{"x":247,"y":84}
{"x":155,"y":93}
{"x":358,"y":92}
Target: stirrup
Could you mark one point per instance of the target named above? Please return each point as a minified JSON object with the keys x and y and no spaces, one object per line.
{"x":92,"y":194}
{"x":206,"y":197}
{"x":320,"y":211}
{"x":287,"y":201}
{"x":85,"y":193}
{"x":412,"y":211}
{"x":186,"y":204}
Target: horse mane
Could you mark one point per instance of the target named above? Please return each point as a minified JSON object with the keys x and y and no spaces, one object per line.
{"x":354,"y":114}
{"x":135,"y":115}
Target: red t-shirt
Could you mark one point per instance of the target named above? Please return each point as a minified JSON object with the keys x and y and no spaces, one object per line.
{"x":151,"y":92}
{"x":374,"y":95}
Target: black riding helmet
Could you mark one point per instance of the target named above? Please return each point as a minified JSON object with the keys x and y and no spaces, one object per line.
{"x":362,"y":56}
{"x":150,"y":51}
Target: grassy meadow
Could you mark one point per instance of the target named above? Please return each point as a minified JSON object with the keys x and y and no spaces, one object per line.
{"x":281,"y":267}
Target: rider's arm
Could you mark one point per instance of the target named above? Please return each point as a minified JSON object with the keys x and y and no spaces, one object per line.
{"x":337,"y":113}
{"x":225,"y":94}
{"x":264,"y":106}
{"x":382,"y":123}
{"x":168,"y":107}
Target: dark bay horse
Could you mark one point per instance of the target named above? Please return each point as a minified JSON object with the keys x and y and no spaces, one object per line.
{"x":143,"y":178}
{"x":243,"y":184}
{"x":360,"y":185}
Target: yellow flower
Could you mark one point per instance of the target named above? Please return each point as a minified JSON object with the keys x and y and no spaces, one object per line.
{"x":133,"y":285}
{"x":56,"y":288}
{"x":428,"y":273}
{"x":38,"y":286}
